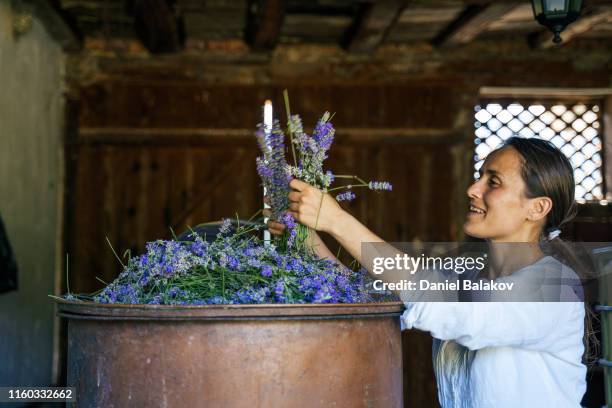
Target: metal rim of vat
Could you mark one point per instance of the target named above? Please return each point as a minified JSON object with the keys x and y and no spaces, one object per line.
{"x":81,"y":310}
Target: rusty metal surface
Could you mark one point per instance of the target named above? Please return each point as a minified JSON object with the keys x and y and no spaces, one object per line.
{"x":277,"y":356}
{"x":94,"y":310}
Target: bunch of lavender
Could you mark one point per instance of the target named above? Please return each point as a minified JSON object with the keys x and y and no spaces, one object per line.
{"x":309,"y":154}
{"x":236,"y":268}
{"x":312,"y":151}
{"x":271,"y":167}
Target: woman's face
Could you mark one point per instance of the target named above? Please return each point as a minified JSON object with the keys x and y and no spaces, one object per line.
{"x":498,"y":208}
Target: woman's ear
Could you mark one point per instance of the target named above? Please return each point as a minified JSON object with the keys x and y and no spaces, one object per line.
{"x":539,"y":208}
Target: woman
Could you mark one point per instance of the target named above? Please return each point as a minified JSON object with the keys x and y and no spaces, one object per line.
{"x":497,"y":354}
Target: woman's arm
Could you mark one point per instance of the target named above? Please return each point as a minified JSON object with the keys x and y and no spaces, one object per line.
{"x":320,"y":211}
{"x":319,"y":247}
{"x":542,"y":326}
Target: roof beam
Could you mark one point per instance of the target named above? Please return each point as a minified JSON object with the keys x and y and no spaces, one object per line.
{"x":159,"y":25}
{"x":264,"y":23}
{"x":582,"y":25}
{"x":372,"y":25}
{"x":474,"y":20}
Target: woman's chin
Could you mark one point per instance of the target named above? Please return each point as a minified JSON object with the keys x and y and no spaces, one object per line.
{"x":472,"y":230}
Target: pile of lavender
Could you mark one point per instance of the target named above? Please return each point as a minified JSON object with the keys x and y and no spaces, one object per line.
{"x":235,"y":268}
{"x":238,"y":267}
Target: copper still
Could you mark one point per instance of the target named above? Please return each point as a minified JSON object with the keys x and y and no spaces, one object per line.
{"x":314,"y":355}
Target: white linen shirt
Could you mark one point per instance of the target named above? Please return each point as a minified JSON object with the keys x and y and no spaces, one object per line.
{"x":505,"y":354}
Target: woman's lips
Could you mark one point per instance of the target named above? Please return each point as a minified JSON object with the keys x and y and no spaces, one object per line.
{"x":474,"y":211}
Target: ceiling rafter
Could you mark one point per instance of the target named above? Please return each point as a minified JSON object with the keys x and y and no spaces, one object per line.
{"x":158,"y":24}
{"x":474,"y":20}
{"x":372,"y":24}
{"x":264,"y":23}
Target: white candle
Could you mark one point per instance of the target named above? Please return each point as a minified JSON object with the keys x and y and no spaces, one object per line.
{"x":267,"y":121}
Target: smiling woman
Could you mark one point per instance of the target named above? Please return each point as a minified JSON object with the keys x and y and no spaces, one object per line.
{"x":502,"y":354}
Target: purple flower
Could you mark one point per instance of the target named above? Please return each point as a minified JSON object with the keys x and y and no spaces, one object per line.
{"x":279,"y":290}
{"x":273,"y":170}
{"x":380,"y":186}
{"x":323,"y":133}
{"x":266,"y":271}
{"x":263,"y":169}
{"x":225,"y":226}
{"x":346,"y":196}
{"x":289,"y":221}
{"x":199,"y":247}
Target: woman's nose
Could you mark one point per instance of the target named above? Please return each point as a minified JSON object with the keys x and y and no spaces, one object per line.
{"x":475,"y":190}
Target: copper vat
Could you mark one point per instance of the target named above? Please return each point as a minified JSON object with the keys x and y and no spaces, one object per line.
{"x":316,"y":355}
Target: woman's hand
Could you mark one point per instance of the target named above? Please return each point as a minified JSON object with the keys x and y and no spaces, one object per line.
{"x":313,"y":208}
{"x":314,"y":240}
{"x":276,"y":228}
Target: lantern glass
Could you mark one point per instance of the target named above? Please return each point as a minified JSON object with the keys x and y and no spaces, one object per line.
{"x":556,"y":6}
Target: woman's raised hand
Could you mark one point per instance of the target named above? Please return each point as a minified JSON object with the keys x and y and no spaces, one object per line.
{"x":313,"y":208}
{"x":275,"y":227}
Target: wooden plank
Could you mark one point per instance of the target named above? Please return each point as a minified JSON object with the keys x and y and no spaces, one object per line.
{"x":264,"y":23}
{"x":299,"y":27}
{"x":579,"y":27}
{"x":372,"y":25}
{"x":522,"y":92}
{"x":191,"y":105}
{"x":213,"y":137}
{"x":222,"y":174}
{"x":474,"y":20}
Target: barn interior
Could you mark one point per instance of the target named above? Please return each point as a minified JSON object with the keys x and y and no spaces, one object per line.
{"x":126,"y":120}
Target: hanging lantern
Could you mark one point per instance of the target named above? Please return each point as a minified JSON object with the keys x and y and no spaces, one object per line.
{"x":556,"y":14}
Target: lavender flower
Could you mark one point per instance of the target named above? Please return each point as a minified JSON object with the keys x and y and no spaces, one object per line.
{"x":225,"y":227}
{"x":346,"y":196}
{"x":266,"y":271}
{"x":272,"y":168}
{"x":324,"y":132}
{"x":279,"y":290}
{"x":380,"y":185}
{"x":292,"y":230}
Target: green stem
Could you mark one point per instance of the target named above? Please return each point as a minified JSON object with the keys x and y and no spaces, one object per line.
{"x":347,"y":187}
{"x":286,"y":96}
{"x":344,"y":176}
{"x":319,"y":210}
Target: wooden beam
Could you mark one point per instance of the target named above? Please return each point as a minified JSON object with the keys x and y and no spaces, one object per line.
{"x":372,"y":24}
{"x":517,"y":92}
{"x":474,"y":20}
{"x":158,"y":24}
{"x":264,"y":23}
{"x":244,"y":137}
{"x":584,"y":23}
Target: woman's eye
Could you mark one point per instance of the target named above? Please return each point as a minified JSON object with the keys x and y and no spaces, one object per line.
{"x":493,"y":182}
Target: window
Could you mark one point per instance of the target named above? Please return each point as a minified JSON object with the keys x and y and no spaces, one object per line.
{"x":575,"y":128}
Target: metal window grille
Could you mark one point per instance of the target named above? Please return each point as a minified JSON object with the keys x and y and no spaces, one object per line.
{"x":573,"y":128}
